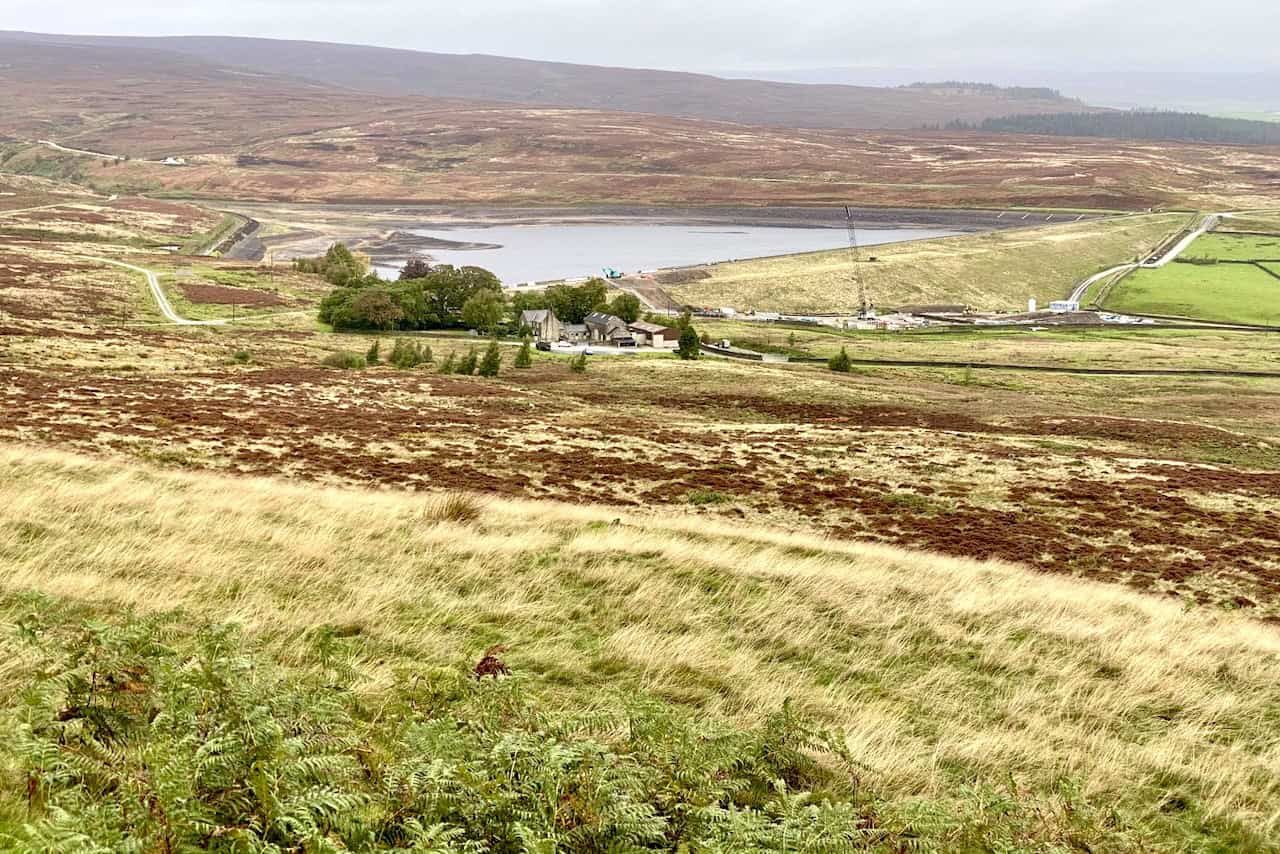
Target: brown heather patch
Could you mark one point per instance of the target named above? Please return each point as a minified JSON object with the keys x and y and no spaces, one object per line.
{"x":206,"y":294}
{"x":927,"y":478}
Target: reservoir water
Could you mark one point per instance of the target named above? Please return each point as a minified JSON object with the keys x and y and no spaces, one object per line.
{"x":553,"y":251}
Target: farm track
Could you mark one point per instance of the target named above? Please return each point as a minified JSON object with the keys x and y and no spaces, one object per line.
{"x":1206,"y":225}
{"x":158,"y":295}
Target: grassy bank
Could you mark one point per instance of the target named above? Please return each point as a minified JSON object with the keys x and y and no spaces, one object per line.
{"x":1000,"y":270}
{"x":940,"y":675}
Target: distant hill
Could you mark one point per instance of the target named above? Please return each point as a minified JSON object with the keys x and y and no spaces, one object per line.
{"x":390,"y":72}
{"x":1202,"y":91}
{"x":247,"y":134}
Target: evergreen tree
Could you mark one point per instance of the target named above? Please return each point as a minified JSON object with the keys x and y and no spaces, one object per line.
{"x":840,"y":362}
{"x":690,"y":346}
{"x":467,"y":364}
{"x":579,"y":363}
{"x":524,"y":359}
{"x":373,"y":356}
{"x":492,"y":361}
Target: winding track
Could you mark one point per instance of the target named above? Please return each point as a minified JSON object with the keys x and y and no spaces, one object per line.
{"x":1209,"y":223}
{"x":157,"y":293}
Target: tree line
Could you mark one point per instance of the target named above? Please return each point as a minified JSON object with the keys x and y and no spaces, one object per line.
{"x":1017,"y":93}
{"x":445,"y":297}
{"x":1138,"y":124}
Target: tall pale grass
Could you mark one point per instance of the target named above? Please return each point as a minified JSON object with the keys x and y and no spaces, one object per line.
{"x":936,"y":669}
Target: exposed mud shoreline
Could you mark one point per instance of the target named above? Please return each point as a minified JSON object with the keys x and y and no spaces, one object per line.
{"x":383,"y":231}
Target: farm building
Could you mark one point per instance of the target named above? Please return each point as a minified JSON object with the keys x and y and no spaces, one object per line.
{"x":607,"y":329}
{"x":542,"y":323}
{"x":653,"y":335}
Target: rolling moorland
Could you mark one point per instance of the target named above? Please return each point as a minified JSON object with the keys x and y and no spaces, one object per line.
{"x":405,"y":73}
{"x":252,"y":600}
{"x":254,"y":136}
{"x":1036,"y":609}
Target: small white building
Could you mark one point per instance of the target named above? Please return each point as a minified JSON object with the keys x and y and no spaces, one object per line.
{"x":1063,"y":306}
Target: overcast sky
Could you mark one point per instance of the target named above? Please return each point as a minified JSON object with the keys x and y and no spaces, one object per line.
{"x":728,"y":34}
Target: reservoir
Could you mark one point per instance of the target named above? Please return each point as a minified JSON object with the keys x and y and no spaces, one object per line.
{"x":540,"y":252}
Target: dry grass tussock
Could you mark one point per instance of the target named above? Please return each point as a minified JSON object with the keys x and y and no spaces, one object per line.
{"x":939,"y":671}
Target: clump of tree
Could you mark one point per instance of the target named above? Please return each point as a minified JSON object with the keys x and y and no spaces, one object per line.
{"x":626,"y":306}
{"x":1017,"y":93}
{"x":524,"y":358}
{"x":572,"y":303}
{"x":840,"y":362}
{"x":1135,"y":124}
{"x":484,"y":311}
{"x":423,"y":298}
{"x":339,"y":266}
{"x":408,"y":354}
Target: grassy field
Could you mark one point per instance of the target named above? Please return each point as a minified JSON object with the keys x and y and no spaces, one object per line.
{"x":987,"y":271}
{"x":1235,"y":293}
{"x":1208,"y":290}
{"x":1235,"y":247}
{"x":942,"y":676}
{"x":1112,"y":348}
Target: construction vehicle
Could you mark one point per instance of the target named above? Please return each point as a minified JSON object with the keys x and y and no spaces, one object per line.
{"x":866,"y":309}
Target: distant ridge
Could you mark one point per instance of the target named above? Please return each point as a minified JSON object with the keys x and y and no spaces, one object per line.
{"x":393,"y":72}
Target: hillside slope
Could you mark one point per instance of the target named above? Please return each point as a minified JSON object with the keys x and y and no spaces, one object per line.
{"x":1145,"y":725}
{"x":988,"y":272}
{"x":397,"y":73}
{"x":255,"y":136}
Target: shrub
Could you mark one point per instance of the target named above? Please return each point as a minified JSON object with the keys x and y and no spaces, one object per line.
{"x":524,"y":358}
{"x":344,"y":359}
{"x":242,"y":357}
{"x":373,"y":354}
{"x":447,"y":366}
{"x":690,"y":346}
{"x":467,"y":364}
{"x":578,"y":364}
{"x":492,"y":361}
{"x":146,"y":736}
{"x":408,"y":354}
{"x":453,"y":507}
{"x":840,"y":362}
{"x":701,"y":497}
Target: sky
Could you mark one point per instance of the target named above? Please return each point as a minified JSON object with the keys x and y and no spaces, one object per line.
{"x":705,"y":35}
